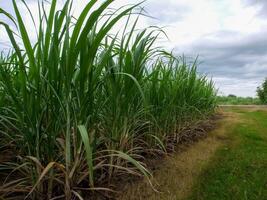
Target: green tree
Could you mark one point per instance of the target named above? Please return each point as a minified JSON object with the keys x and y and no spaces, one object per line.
{"x":232,"y":96}
{"x":262,"y":92}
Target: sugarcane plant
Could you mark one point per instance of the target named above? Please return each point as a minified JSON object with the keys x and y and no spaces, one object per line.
{"x":82,"y":104}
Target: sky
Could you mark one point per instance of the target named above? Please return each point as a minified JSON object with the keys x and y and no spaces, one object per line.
{"x":228,"y":36}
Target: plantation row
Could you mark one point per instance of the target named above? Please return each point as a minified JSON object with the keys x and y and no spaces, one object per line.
{"x":82,"y":106}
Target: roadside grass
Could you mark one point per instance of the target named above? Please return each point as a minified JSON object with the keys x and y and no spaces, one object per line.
{"x":239,"y":169}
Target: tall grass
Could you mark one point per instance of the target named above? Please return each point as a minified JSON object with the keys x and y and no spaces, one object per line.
{"x":81,"y":106}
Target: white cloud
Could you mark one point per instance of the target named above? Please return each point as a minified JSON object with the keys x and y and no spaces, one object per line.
{"x":236,"y":86}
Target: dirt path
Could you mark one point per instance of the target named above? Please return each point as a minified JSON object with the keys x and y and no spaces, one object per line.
{"x":175,"y":178}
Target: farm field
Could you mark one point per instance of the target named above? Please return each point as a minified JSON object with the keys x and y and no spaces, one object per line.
{"x":92,"y":111}
{"x":84,"y":105}
{"x":233,"y":100}
{"x":231,"y":163}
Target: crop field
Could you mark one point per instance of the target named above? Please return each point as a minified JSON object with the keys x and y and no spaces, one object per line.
{"x":82,"y":107}
{"x":92,"y":111}
{"x":233,"y":100}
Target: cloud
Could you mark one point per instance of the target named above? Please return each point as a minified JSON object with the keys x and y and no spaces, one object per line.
{"x":232,"y":50}
{"x":167,"y":12}
{"x":231,"y":59}
{"x":261,"y":6}
{"x":235,"y":86}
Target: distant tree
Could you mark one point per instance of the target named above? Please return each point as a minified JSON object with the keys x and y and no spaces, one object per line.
{"x":232,"y":96}
{"x":262,"y":92}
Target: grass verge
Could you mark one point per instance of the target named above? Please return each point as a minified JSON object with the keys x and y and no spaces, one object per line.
{"x":239,"y":169}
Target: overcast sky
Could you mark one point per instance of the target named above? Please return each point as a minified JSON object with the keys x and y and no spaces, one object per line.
{"x":229,"y":36}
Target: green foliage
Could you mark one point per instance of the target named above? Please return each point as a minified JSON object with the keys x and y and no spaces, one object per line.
{"x":232,"y":96}
{"x":81,"y":102}
{"x":234,"y":100}
{"x":262,"y":92}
